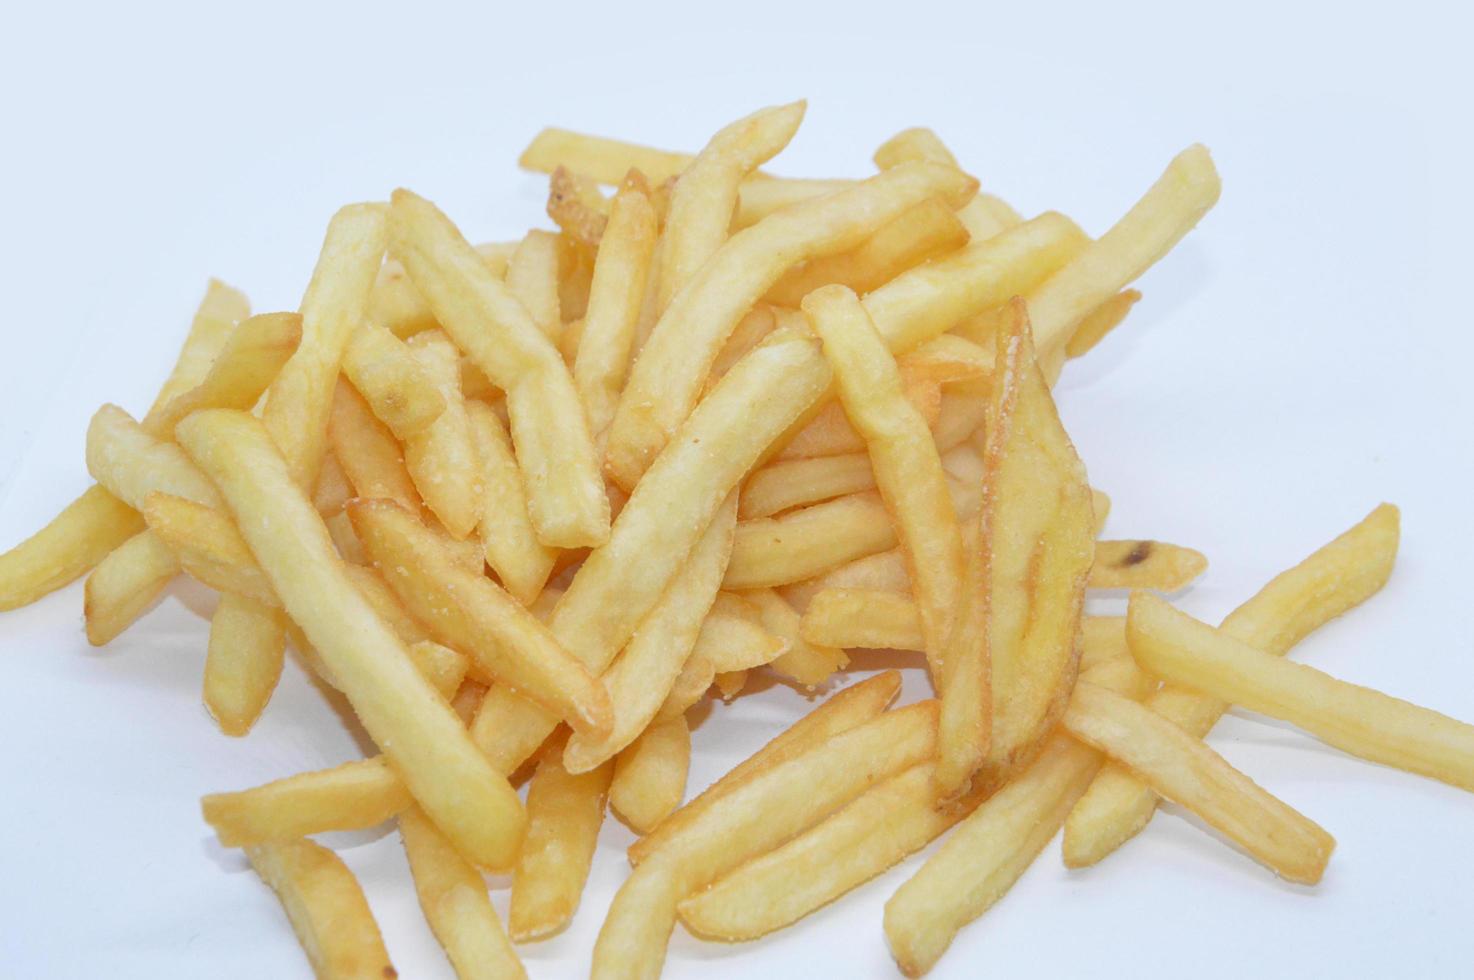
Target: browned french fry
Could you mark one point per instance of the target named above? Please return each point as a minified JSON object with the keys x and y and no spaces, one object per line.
{"x":577,"y":206}
{"x":1145,"y":565}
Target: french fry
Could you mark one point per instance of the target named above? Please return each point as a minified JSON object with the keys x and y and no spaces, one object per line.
{"x":775,"y":805}
{"x":124,"y":586}
{"x":130,"y":463}
{"x":532,"y":277}
{"x":650,"y":774}
{"x":243,"y":662}
{"x":250,"y":359}
{"x":731,"y":683}
{"x":621,"y":272}
{"x":508,"y":538}
{"x":1186,"y":771}
{"x":352,"y":796}
{"x":483,"y":318}
{"x":442,"y":458}
{"x":401,"y":390}
{"x":1355,"y":719}
{"x":332,"y":489}
{"x":443,"y":667}
{"x":423,"y":738}
{"x":806,"y":663}
{"x":577,"y":206}
{"x":1101,"y":504}
{"x":83,"y":534}
{"x":803,"y":543}
{"x":1166,"y":212}
{"x":705,"y":193}
{"x":1100,"y":321}
{"x":673,"y":365}
{"x":370,"y":456}
{"x":639,"y":681}
{"x":983,"y":217}
{"x":689,"y":687}
{"x":564,"y":813}
{"x":786,"y":484}
{"x":842,"y":712}
{"x":214,"y":320}
{"x":829,"y":432}
{"x":733,"y":638}
{"x":1340,"y":575}
{"x":871,"y":618}
{"x":1102,"y":638}
{"x":395,"y":303}
{"x":762,"y":195}
{"x":750,"y":331}
{"x":605,"y":160}
{"x":453,"y":897}
{"x":927,"y":230}
{"x":1145,"y":565}
{"x":326,"y":908}
{"x":470,"y":613}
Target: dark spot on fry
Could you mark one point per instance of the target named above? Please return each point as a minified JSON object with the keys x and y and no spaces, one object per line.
{"x":1136,"y":555}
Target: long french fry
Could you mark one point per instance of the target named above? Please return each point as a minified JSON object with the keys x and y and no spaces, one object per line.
{"x":73,"y":543}
{"x":372,"y":459}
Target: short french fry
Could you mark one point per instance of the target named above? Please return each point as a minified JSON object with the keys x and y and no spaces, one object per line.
{"x":252,"y":357}
{"x":442,"y":458}
{"x":370,"y":456}
{"x":508,"y":538}
{"x":650,"y":775}
{"x":402,"y":392}
{"x":73,"y":543}
{"x":532,"y":277}
{"x":243,"y":662}
{"x":806,"y":663}
{"x":1145,"y":565}
{"x":124,"y":586}
{"x":453,"y":897}
{"x":326,"y":907}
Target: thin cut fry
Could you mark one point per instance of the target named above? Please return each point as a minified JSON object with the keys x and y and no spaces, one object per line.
{"x":252,"y":357}
{"x":243,"y":663}
{"x":216,"y":317}
{"x":1145,"y":565}
{"x":371,"y":458}
{"x":399,"y":389}
{"x":73,"y":543}
{"x":532,"y":276}
{"x":442,"y":458}
{"x":508,"y":538}
{"x":650,"y":775}
{"x":1100,"y":321}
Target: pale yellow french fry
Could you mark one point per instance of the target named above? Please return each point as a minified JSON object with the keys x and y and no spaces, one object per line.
{"x":639,"y":681}
{"x":442,"y":458}
{"x":870,"y":618}
{"x":423,"y":738}
{"x":803,"y":543}
{"x":806,"y":663}
{"x":1100,"y":321}
{"x":208,"y":546}
{"x":750,"y":331}
{"x":762,"y":195}
{"x":672,"y":367}
{"x":1355,"y":719}
{"x":733,"y":638}
{"x":332,"y":489}
{"x":395,"y":303}
{"x":1152,"y":565}
{"x":843,"y":711}
{"x":984,"y":216}
{"x":1101,"y":504}
{"x":621,"y":272}
{"x":564,"y":813}
{"x":326,"y":908}
{"x":775,"y":805}
{"x":731,"y":683}
{"x":130,"y":463}
{"x":1102,"y":638}
{"x":690,"y":686}
{"x":829,"y":432}
{"x":125,"y":584}
{"x":1167,"y":211}
{"x":372,"y":459}
{"x":532,"y":276}
{"x":250,"y":360}
{"x":650,"y":774}
{"x":243,"y":662}
{"x":508,"y":538}
{"x":605,"y":160}
{"x":705,"y":194}
{"x":1296,"y":602}
{"x":793,"y":483}
{"x":352,"y":796}
{"x":74,"y":542}
{"x":214,"y":320}
{"x":1186,"y":771}
{"x":455,"y":902}
{"x":484,"y":319}
{"x":402,"y":391}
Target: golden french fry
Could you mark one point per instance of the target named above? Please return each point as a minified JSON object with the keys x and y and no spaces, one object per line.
{"x":733,"y":639}
{"x":250,"y":359}
{"x":508,"y":539}
{"x":650,"y":775}
{"x":984,"y":216}
{"x":399,"y":389}
{"x":243,"y":663}
{"x":470,"y":613}
{"x":395,"y":303}
{"x":130,"y":463}
{"x":443,"y":667}
{"x":773,"y":806}
{"x":762,"y":195}
{"x":564,"y":812}
{"x":639,"y":681}
{"x":750,"y":331}
{"x":870,"y":618}
{"x":577,"y":206}
{"x":829,"y":432}
{"x":803,"y":543}
{"x":484,"y":319}
{"x":605,"y":160}
{"x":705,"y":194}
{"x":1145,"y":565}
{"x":208,"y":546}
{"x":1335,"y":578}
{"x":124,"y":585}
{"x":370,"y":456}
{"x":352,"y":796}
{"x":219,"y":311}
{"x":689,"y":687}
{"x":616,"y":294}
{"x":927,"y":230}
{"x":842,"y":712}
{"x":806,"y":663}
{"x":1186,"y":771}
{"x":948,"y":358}
{"x":423,"y":738}
{"x":82,"y":535}
{"x":532,"y":277}
{"x":453,"y":897}
{"x":442,"y":458}
{"x":673,"y":365}
{"x":1355,"y":719}
{"x":326,"y":908}
{"x":1100,"y":321}
{"x":786,"y":484}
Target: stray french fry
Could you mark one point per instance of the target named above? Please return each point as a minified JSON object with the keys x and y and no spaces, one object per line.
{"x":243,"y":663}
{"x":650,"y":775}
{"x":1145,"y":565}
{"x":442,"y":458}
{"x":352,"y":796}
{"x":508,"y":538}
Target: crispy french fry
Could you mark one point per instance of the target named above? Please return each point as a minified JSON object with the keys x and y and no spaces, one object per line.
{"x":214,"y":320}
{"x":872,"y":618}
{"x":639,"y":681}
{"x":470,"y":613}
{"x":244,"y":661}
{"x":806,"y":663}
{"x":673,"y":365}
{"x":1189,"y":773}
{"x":401,"y":390}
{"x":508,"y":539}
{"x":251,"y":358}
{"x":421,"y":735}
{"x":73,"y":543}
{"x":1355,"y":719}
{"x":442,"y":458}
{"x":577,"y":206}
{"x":843,"y":711}
{"x":453,"y":897}
{"x":564,"y":812}
{"x":554,"y":450}
{"x":705,"y":194}
{"x":326,"y":907}
{"x":352,"y":796}
{"x":532,"y":277}
{"x":1100,"y":321}
{"x":650,"y":775}
{"x":616,"y":294}
{"x":793,"y":483}
{"x":1296,"y":602}
{"x":370,"y":456}
{"x":803,"y":543}
{"x":829,"y":432}
{"x":124,"y":585}
{"x":1145,"y":565}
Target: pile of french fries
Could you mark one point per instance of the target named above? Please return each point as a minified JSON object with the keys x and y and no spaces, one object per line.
{"x":527,"y":504}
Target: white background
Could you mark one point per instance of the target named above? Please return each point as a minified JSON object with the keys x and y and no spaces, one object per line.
{"x":1300,"y":358}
